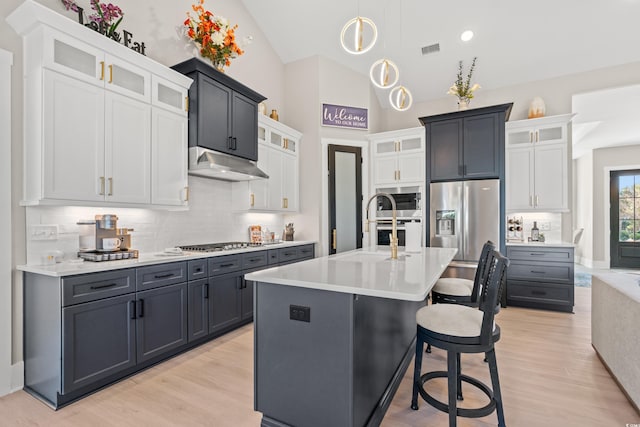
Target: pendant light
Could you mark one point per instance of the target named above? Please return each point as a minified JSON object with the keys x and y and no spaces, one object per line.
{"x":359,"y":24}
{"x":400,"y":98}
{"x":384,"y":72}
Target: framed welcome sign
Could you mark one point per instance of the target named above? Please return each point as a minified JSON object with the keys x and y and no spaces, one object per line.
{"x":345,"y":117}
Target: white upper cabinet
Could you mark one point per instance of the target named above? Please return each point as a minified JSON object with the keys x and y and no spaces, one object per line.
{"x":537,"y":164}
{"x":398,"y":157}
{"x":106,"y":125}
{"x":278,"y":147}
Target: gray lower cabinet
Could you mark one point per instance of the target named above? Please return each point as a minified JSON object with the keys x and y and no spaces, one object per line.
{"x":98,"y":341}
{"x":198,"y":308}
{"x":161,"y":323}
{"x":541,"y":277}
{"x":225,"y":301}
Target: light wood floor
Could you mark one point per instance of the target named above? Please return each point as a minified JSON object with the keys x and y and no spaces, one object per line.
{"x":549,"y":373}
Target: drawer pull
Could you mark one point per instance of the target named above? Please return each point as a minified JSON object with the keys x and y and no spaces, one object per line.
{"x":198,"y":270}
{"x":538,"y":272}
{"x":289,"y":253}
{"x":226,"y":265}
{"x":255,"y":259}
{"x":111,"y":285}
{"x":537,"y":254}
{"x":538,"y":293}
{"x":162,"y":276}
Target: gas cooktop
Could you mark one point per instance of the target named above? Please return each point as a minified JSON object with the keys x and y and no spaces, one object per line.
{"x":215,"y":247}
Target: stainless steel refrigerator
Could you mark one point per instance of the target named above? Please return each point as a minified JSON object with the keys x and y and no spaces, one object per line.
{"x":464,"y":215}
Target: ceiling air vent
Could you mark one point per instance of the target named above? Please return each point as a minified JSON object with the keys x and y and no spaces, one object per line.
{"x":432,"y":48}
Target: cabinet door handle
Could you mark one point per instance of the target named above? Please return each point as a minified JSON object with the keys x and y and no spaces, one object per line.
{"x":531,"y":136}
{"x":205,"y":291}
{"x":253,"y":199}
{"x":110,"y":73}
{"x":102,"y":185}
{"x":235,"y":143}
{"x":530,"y":200}
{"x":538,"y":272}
{"x":537,"y":200}
{"x":132,"y":309}
{"x":186,"y":103}
{"x":398,"y":175}
{"x":537,"y":136}
{"x":334,"y":244}
{"x":110,"y":187}
{"x":163,"y":276}
{"x":110,"y":285}
{"x":101,"y":70}
{"x":230,"y":143}
{"x":186,"y":194}
{"x":140,"y":308}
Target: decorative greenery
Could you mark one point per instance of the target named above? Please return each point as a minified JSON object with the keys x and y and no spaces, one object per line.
{"x":463,"y":89}
{"x":215,"y":36}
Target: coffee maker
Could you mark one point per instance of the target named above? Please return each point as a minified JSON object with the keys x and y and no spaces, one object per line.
{"x":106,"y":228}
{"x":93,"y":234}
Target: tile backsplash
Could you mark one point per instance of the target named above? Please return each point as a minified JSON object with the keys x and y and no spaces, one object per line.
{"x":550,"y":224}
{"x":210,"y":218}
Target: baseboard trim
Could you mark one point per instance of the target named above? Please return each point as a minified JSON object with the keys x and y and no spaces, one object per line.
{"x":635,"y":406}
{"x":17,"y":376}
{"x":589,"y":263}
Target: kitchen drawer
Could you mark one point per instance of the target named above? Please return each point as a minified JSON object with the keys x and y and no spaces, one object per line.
{"x":225,"y":264}
{"x":541,"y":272}
{"x":160,"y":275}
{"x":305,"y":252}
{"x":539,"y":294}
{"x":540,"y":254}
{"x":254,"y":259}
{"x":287,"y":255}
{"x":91,"y":287}
{"x":272,"y":256}
{"x":197,"y":269}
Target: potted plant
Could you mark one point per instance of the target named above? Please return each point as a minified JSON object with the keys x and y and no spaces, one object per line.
{"x":463,"y":88}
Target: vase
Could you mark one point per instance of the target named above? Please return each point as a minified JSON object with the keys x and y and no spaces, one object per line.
{"x":274,"y":115}
{"x":463,"y":104}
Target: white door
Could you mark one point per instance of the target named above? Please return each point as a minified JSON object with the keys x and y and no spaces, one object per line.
{"x":127,"y":149}
{"x":127,"y":79}
{"x":290,"y":182}
{"x":73,"y":139}
{"x":259,"y":188}
{"x":551,"y":177}
{"x":169,"y":180}
{"x":385,"y":170}
{"x":519,"y":181}
{"x":411,"y":167}
{"x":276,"y":175}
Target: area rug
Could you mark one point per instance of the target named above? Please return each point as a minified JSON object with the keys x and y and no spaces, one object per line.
{"x":582,"y":280}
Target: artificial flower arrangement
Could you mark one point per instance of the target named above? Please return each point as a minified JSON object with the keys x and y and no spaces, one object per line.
{"x":105,"y":17}
{"x":215,"y":36}
{"x":463,"y":89}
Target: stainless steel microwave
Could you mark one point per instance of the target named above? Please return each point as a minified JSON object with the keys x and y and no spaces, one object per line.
{"x":408,"y":202}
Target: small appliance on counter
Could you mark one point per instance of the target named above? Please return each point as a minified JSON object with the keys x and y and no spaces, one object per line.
{"x":102,"y":240}
{"x":514,"y":229}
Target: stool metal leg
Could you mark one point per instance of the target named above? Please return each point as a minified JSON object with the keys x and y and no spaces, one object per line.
{"x":428,"y":348}
{"x":495,"y":383}
{"x":416,"y":372}
{"x":452,"y":376}
{"x":459,"y":373}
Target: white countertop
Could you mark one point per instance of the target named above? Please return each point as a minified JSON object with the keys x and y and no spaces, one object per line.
{"x":68,"y":268}
{"x":368,"y":271}
{"x":543,"y":244}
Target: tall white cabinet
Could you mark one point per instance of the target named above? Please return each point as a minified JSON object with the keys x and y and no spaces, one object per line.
{"x":278,"y":146}
{"x":537,"y":164}
{"x":106,"y":125}
{"x":398,"y":157}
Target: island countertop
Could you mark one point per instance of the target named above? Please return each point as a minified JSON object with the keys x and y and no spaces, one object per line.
{"x":368,"y":271}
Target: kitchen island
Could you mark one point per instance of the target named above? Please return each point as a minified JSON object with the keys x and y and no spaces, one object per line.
{"x":334,"y":335}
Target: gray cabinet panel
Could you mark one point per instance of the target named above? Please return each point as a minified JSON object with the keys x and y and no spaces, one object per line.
{"x":446,"y":153}
{"x":160,"y":275}
{"x":541,"y":272}
{"x":272,"y":256}
{"x":306,"y":252}
{"x":197,"y":269}
{"x":162,"y":320}
{"x":214,"y":108}
{"x":481,"y":148}
{"x":95,"y":286}
{"x":98,"y":341}
{"x":541,"y":254}
{"x":288,"y":255}
{"x":247,"y":300}
{"x":254,"y":259}
{"x":224,"y":301}
{"x":245,"y":136}
{"x":541,"y":293}
{"x":198,"y":309}
{"x":224,"y":264}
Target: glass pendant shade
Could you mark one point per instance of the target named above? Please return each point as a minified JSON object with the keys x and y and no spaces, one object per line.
{"x":357,"y":29}
{"x":400,"y":98}
{"x":384,"y":73}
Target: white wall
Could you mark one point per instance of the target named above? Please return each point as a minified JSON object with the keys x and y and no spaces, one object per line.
{"x":583,"y":207}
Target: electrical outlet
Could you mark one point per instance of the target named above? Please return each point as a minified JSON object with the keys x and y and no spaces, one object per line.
{"x":545,"y":226}
{"x":300,"y":313}
{"x":44,"y":232}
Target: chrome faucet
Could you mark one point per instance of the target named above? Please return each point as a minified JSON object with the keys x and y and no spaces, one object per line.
{"x":394,"y":223}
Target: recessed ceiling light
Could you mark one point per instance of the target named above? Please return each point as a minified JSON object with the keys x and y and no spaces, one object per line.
{"x":466,"y":35}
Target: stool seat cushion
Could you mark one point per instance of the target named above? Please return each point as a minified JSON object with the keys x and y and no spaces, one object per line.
{"x":454,"y":286}
{"x":451,"y":319}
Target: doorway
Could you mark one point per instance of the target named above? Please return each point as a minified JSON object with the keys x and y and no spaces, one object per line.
{"x":345,"y":198}
{"x":625,"y":218}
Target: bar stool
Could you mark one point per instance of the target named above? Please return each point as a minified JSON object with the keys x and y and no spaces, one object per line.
{"x":463,"y":329}
{"x":456,"y":290}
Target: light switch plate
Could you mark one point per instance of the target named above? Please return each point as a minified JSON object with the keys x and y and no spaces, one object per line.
{"x":44,"y":232}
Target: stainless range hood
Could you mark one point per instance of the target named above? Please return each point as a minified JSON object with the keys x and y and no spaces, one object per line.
{"x":213,"y":164}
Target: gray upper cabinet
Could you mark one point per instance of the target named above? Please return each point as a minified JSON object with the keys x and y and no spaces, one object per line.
{"x":223,"y":113}
{"x":467,"y":144}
